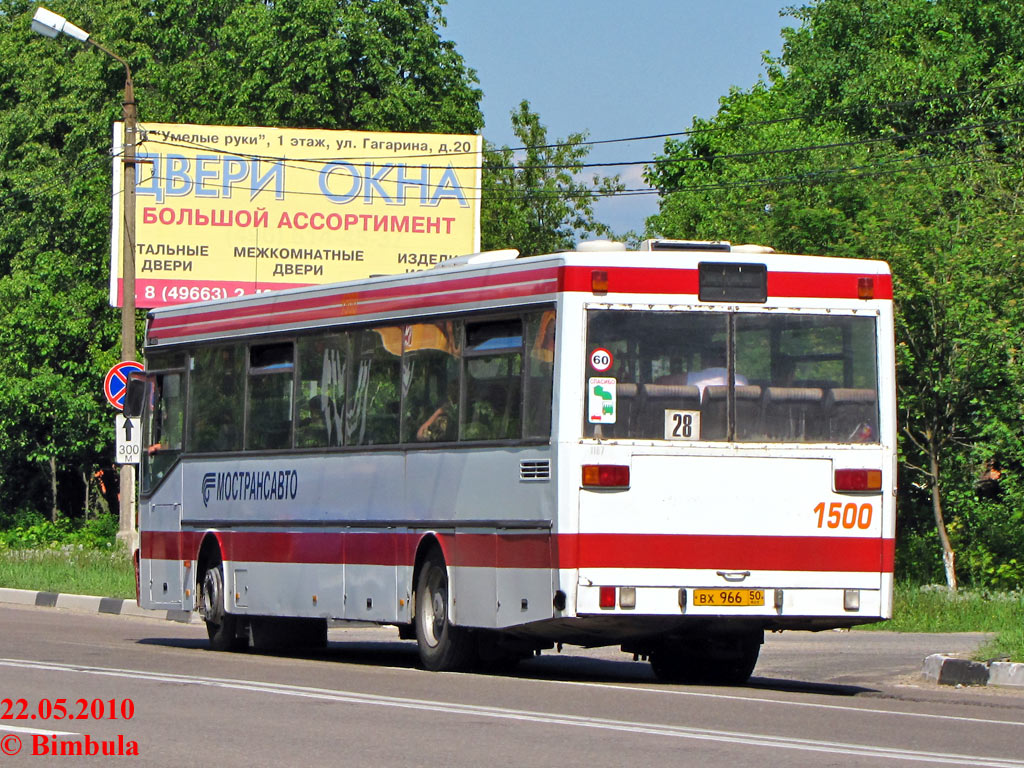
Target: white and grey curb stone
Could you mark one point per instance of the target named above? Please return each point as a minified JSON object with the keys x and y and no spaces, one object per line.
{"x":949,"y":669}
{"x":88,"y":604}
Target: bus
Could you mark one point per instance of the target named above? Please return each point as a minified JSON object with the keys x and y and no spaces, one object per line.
{"x":671,"y":449}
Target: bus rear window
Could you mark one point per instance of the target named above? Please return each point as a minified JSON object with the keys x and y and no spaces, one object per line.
{"x":736,"y":377}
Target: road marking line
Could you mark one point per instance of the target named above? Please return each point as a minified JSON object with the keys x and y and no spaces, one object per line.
{"x":814,"y":705}
{"x":36,"y":731}
{"x":544,"y":718}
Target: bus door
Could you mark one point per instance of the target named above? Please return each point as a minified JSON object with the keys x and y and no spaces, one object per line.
{"x":162,"y":561}
{"x":161,"y":569}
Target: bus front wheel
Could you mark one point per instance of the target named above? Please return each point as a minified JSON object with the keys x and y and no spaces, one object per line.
{"x":442,"y":646}
{"x":221,"y":626}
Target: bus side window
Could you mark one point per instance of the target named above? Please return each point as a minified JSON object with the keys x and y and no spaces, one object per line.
{"x":372,"y":413}
{"x":216,"y":398}
{"x":323,"y":363}
{"x":431,"y":356}
{"x":494,"y":362}
{"x":269,"y":409}
{"x":540,"y":334}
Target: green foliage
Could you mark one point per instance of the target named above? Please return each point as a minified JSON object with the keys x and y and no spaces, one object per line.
{"x":342,"y":64}
{"x":33,"y":531}
{"x":532,"y":200}
{"x":1008,"y":644}
{"x":891,"y":129}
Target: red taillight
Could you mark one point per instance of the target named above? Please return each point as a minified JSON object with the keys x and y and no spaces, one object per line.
{"x":858,"y":479}
{"x":605,"y":476}
{"x":865,"y":288}
{"x":606,"y":597}
{"x":599,"y":281}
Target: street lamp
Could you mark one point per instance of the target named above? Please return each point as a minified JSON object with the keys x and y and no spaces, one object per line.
{"x":51,"y":24}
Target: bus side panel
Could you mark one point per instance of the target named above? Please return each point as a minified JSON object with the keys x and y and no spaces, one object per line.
{"x":285,"y":589}
{"x":500,"y":557}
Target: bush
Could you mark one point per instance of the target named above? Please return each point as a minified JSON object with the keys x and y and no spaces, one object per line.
{"x":33,"y":531}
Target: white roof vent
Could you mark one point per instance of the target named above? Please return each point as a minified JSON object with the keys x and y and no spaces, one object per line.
{"x":596,"y":246}
{"x":484,"y":257}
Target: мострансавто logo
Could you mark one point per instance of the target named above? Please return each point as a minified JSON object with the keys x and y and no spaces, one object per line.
{"x":250,"y":485}
{"x":209,"y":483}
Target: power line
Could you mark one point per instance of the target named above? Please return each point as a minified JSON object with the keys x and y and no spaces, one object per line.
{"x":301,"y":163}
{"x":708,"y":129}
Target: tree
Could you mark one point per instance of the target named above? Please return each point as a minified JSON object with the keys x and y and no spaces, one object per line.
{"x":531,"y":198}
{"x":343,"y":64}
{"x":890,"y":128}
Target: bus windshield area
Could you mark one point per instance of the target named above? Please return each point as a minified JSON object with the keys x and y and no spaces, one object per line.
{"x":731,"y":376}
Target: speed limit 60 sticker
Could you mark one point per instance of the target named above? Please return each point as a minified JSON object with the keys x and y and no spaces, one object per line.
{"x":601,"y":359}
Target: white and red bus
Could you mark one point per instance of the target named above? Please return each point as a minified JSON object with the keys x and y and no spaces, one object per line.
{"x":672,"y":450}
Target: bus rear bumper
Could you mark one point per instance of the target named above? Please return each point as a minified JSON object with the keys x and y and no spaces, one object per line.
{"x":777,"y":605}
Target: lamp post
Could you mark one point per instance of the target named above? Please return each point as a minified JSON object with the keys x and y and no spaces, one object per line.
{"x":51,"y":24}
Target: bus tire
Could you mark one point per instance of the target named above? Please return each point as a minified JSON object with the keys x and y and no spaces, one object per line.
{"x":221,"y":626}
{"x":442,"y":646}
{"x":725,"y":660}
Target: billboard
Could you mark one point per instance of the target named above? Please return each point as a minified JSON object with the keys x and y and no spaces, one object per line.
{"x":228,"y":211}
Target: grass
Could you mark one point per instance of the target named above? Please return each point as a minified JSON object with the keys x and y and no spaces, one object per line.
{"x":71,"y":569}
{"x":935,"y":609}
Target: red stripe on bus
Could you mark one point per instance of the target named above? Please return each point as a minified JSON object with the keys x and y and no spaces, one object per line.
{"x":761,"y":553}
{"x":816,"y":285}
{"x":576,"y":551}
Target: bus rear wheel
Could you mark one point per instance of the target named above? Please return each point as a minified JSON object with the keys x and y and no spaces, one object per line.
{"x":221,"y":626}
{"x":442,"y":646}
{"x":721,"y":660}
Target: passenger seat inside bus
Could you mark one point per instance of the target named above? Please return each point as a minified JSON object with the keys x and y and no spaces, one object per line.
{"x":794,"y":413}
{"x":748,"y":412}
{"x":659,"y":398}
{"x":851,"y":414}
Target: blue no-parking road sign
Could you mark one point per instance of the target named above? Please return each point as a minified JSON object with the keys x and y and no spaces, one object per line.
{"x":116,"y":382}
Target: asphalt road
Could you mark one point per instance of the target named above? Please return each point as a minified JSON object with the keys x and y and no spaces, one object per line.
{"x":834,"y":698}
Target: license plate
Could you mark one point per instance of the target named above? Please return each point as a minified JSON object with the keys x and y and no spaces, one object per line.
{"x":727,"y":598}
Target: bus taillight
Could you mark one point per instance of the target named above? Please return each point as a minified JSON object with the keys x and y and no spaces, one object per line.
{"x":858,"y":479}
{"x":605,"y":476}
{"x":865,"y":288}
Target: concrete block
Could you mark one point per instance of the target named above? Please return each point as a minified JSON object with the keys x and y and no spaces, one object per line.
{"x":951,"y":670}
{"x":17,"y":596}
{"x":1006,"y":673}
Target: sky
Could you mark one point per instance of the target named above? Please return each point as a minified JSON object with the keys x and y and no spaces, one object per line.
{"x":614,"y":69}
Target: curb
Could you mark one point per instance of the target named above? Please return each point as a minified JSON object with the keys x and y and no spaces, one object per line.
{"x":949,"y":669}
{"x":88,"y":604}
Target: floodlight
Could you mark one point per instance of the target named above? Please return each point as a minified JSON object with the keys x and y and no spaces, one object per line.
{"x":51,"y":24}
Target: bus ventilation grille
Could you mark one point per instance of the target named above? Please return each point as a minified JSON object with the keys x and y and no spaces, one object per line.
{"x":535,"y":470}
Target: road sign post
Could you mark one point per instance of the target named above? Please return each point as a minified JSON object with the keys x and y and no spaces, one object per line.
{"x":115,"y":385}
